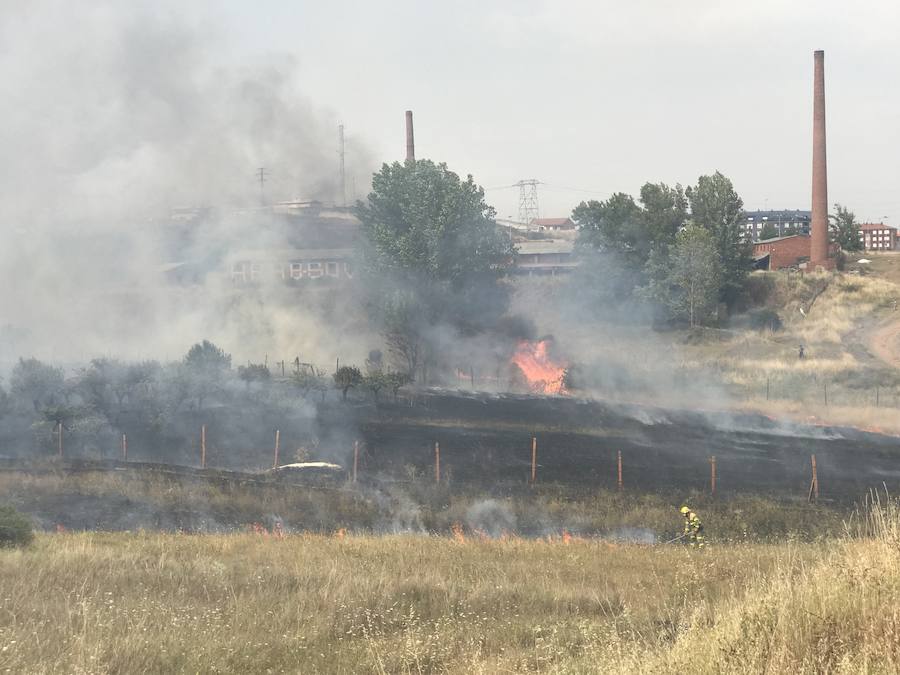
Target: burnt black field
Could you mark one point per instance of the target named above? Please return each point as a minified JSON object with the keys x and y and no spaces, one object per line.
{"x":486,"y":441}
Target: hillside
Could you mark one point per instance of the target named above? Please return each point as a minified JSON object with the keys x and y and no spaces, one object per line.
{"x":848,"y":324}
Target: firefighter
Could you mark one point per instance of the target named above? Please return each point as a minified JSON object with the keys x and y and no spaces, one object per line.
{"x":693,"y":528}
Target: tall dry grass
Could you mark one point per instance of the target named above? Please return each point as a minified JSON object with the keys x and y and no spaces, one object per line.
{"x":148,"y":603}
{"x":124,"y":603}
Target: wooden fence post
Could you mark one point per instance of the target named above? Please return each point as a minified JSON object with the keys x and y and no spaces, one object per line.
{"x":277,"y":447}
{"x":814,"y":483}
{"x":437,"y":462}
{"x":124,"y":447}
{"x":533,"y":459}
{"x":712,"y":474}
{"x":619,"y":462}
{"x":203,"y":446}
{"x":59,"y":439}
{"x":355,"y":458}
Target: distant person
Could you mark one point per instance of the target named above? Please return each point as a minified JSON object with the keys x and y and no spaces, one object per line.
{"x":693,"y":528}
{"x":801,"y":352}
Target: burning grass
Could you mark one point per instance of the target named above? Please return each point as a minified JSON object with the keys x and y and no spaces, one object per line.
{"x":458,"y":604}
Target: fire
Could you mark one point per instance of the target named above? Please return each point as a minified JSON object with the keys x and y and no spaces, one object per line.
{"x":542,"y":374}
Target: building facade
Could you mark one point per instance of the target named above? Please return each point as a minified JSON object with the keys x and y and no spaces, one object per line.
{"x":785,"y":222}
{"x":782,"y":252}
{"x":545,"y":257}
{"x":879,"y":237}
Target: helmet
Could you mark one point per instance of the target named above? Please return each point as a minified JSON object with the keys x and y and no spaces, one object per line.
{"x":685,"y":510}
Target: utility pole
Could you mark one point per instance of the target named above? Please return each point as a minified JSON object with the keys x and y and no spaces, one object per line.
{"x":341,"y":155}
{"x":528,"y":200}
{"x":262,"y":174}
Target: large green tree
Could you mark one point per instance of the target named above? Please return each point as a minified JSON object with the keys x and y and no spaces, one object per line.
{"x":685,"y":281}
{"x":716,"y":207}
{"x":434,"y":255}
{"x":423,"y":222}
{"x":618,"y":236}
{"x":844,"y":229}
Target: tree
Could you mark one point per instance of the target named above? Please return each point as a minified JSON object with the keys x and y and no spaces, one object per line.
{"x":665,"y":212}
{"x":375,"y":381}
{"x":346,"y":378}
{"x":422,"y":222}
{"x":716,"y":207}
{"x":35,"y":382}
{"x":309,"y":379}
{"x":395,"y":381}
{"x":254,"y":372}
{"x":844,"y":229}
{"x":617,"y":237}
{"x":434,"y":255}
{"x":768,"y":231}
{"x":205,"y":366}
{"x":694,"y":275}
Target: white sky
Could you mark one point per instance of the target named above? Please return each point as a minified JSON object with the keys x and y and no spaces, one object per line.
{"x":603,"y":96}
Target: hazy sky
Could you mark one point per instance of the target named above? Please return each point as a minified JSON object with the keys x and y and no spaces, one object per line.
{"x":603,"y":96}
{"x":580,"y":94}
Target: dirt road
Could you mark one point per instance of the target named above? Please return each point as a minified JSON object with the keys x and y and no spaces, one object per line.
{"x":884,"y":342}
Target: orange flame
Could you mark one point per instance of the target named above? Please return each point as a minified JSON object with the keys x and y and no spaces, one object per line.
{"x":542,"y":374}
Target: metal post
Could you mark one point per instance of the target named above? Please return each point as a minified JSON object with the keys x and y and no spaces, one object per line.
{"x":355,"y":458}
{"x":277,"y":447}
{"x":767,"y":388}
{"x":59,"y":440}
{"x":124,"y":447}
{"x":533,"y":459}
{"x":203,"y":446}
{"x":712,"y":475}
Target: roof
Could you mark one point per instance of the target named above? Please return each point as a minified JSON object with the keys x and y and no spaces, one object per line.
{"x":552,"y":222}
{"x":875,"y":226}
{"x":279,"y":254}
{"x":774,"y":239}
{"x":778,"y":214}
{"x":544,"y":246}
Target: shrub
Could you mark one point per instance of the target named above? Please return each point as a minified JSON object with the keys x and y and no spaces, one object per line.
{"x":15,"y":529}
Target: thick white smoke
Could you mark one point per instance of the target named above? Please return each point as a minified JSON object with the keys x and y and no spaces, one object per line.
{"x":113,"y":114}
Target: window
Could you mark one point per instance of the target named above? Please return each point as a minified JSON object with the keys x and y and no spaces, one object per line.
{"x":239,"y":272}
{"x":296,"y":270}
{"x":314,"y":270}
{"x":255,"y":271}
{"x":331,"y":269}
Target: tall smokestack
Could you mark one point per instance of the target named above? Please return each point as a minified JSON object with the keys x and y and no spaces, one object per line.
{"x":819,"y":243}
{"x":410,"y":141}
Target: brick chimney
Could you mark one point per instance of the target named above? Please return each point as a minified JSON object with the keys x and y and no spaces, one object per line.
{"x":819,"y":225}
{"x":410,"y":141}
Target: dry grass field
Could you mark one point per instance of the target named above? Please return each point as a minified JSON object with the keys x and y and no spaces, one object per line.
{"x":262,"y":603}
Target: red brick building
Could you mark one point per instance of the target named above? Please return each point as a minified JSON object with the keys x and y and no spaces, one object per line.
{"x":782,"y":252}
{"x":878,"y":237}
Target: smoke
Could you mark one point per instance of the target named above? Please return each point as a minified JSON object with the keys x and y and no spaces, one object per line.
{"x":492,"y":517}
{"x":116,"y":113}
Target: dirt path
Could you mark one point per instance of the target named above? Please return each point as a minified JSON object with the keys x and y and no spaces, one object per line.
{"x":884,"y":342}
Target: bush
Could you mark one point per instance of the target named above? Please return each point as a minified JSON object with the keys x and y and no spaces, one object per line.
{"x":15,"y":529}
